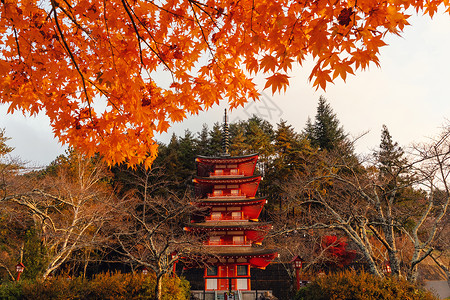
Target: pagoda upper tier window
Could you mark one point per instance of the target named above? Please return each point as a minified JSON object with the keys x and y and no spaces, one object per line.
{"x":226,"y":172}
{"x":217,"y":193}
{"x":214,"y":240}
{"x":216,"y":215}
{"x":238,"y":240}
{"x":226,"y":193}
{"x":236,"y":215}
{"x":218,"y":172}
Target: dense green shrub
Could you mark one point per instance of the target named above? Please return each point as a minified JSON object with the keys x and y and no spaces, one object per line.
{"x":102,"y":286}
{"x":352,"y":285}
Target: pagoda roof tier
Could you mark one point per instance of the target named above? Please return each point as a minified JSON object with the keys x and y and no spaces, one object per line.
{"x":221,"y":201}
{"x":226,"y":179}
{"x":258,"y":257}
{"x":226,"y":159}
{"x":254,"y":231}
{"x":228,"y":226}
{"x":247,"y":185}
{"x":242,"y":165}
{"x":231,"y":251}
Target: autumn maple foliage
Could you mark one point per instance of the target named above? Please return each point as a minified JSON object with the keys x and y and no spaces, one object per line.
{"x":111,"y":73}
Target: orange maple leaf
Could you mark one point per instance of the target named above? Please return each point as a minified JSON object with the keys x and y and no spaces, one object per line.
{"x":269,"y":63}
{"x":278,"y":82}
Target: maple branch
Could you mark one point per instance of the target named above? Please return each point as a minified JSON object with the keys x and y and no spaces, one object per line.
{"x":201,"y":28}
{"x":291,"y":35}
{"x":168,"y":11}
{"x":152,"y":37}
{"x":126,"y":5}
{"x":127,"y":9}
{"x":251,"y":16}
{"x":203,"y":10}
{"x":112,"y":56}
{"x":442,"y":266}
{"x":72,"y":58}
{"x":72,"y":18}
{"x":17,"y":42}
{"x":198,"y":4}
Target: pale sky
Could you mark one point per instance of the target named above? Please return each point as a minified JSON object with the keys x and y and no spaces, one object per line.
{"x":410,"y":93}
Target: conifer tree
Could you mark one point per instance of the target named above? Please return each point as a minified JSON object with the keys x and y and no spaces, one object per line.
{"x":285,"y":138}
{"x":238,"y":144}
{"x":215,"y":140}
{"x":187,"y":156}
{"x":390,"y":156}
{"x":201,"y":147}
{"x":259,"y":134}
{"x":326,"y":133}
{"x":171,"y":160}
{"x":394,"y":169}
{"x":291,"y":152}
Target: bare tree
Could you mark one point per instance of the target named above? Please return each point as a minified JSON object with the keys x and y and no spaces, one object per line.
{"x":149,"y":229}
{"x":68,"y":208}
{"x":432,"y":225}
{"x":377,"y":212}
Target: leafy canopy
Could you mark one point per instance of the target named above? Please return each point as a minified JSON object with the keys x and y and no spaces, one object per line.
{"x":94,"y":66}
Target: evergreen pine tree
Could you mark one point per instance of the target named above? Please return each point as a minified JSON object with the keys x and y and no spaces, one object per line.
{"x":215,"y":140}
{"x":394,"y":170}
{"x":309,"y":130}
{"x":259,"y":135}
{"x":186,"y":156}
{"x":286,"y":139}
{"x":292,"y":153}
{"x":202,"y":141}
{"x":171,"y":161}
{"x":390,"y":155}
{"x":238,"y":144}
{"x":326,"y":133}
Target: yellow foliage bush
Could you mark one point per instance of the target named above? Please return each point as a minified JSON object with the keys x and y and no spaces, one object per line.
{"x":352,"y":285}
{"x":103,"y":286}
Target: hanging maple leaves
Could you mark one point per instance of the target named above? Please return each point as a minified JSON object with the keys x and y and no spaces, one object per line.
{"x":95,"y":67}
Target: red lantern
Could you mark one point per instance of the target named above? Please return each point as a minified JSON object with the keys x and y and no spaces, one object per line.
{"x":20,"y":267}
{"x":388,"y":267}
{"x":297,"y":263}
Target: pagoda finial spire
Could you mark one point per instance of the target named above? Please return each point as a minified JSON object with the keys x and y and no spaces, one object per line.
{"x":225,"y":135}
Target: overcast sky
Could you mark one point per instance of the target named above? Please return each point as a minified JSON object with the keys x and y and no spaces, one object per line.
{"x":410,"y":93}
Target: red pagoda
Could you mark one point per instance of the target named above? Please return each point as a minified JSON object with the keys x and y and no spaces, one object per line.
{"x":226,"y":187}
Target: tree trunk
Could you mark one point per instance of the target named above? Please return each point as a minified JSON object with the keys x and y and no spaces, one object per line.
{"x":412,"y":274}
{"x":389,"y":233}
{"x":369,"y":259}
{"x":158,"y":287}
{"x":364,"y":248}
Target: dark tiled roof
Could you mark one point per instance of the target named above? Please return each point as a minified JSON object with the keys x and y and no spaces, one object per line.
{"x":239,"y":225}
{"x":241,"y":200}
{"x":227,"y":158}
{"x":227,"y":179}
{"x":239,"y":251}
